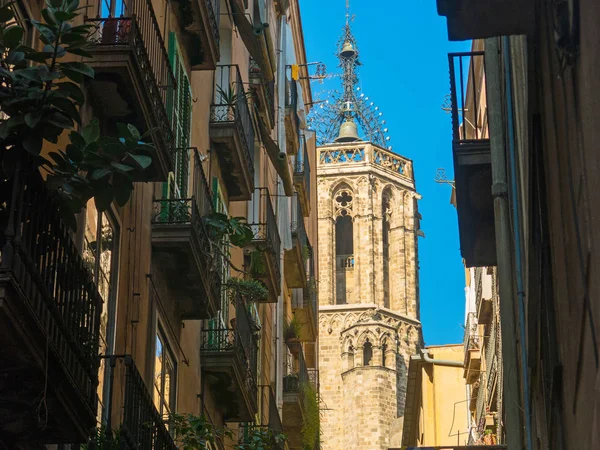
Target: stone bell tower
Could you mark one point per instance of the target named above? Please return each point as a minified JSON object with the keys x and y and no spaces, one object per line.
{"x":368,"y":275}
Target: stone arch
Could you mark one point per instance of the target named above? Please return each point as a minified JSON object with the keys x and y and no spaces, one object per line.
{"x":363,"y":336}
{"x":349,"y":320}
{"x":335,"y":321}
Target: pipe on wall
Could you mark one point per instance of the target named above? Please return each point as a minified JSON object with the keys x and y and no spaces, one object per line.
{"x":505,"y":264}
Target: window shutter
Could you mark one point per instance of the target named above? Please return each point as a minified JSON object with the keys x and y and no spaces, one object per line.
{"x":179,"y":109}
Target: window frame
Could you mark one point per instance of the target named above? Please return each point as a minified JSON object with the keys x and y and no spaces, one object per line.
{"x":167,"y":349}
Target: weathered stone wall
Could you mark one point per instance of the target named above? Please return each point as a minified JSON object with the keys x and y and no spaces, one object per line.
{"x":371,"y":296}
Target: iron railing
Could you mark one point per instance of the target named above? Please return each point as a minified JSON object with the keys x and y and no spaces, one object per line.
{"x":471,"y":336}
{"x":38,"y":254}
{"x":264,"y":226}
{"x":274,"y":416}
{"x":302,"y":166}
{"x":313,"y":378}
{"x":268,"y":87}
{"x":230,"y":106}
{"x":201,"y":189}
{"x":185,"y":211}
{"x":467,"y":97}
{"x":291,"y":101}
{"x":213,"y":8}
{"x":344,"y":262}
{"x":297,"y":375}
{"x":238,"y":341}
{"x":299,"y":229}
{"x":135,"y":28}
{"x":142,"y":426}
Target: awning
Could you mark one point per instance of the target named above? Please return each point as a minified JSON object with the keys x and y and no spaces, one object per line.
{"x":254,"y":38}
{"x":278,"y":158}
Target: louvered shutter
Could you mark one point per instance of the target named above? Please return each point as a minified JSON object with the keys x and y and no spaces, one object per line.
{"x":179,"y":109}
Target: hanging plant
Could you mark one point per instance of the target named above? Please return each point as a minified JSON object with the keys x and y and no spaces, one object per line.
{"x":249,"y":290}
{"x":291,"y":330}
{"x":191,"y":432}
{"x":258,"y":262}
{"x":311,"y":428}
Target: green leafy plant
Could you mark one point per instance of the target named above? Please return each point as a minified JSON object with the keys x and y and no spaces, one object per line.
{"x":40,"y":95}
{"x":249,"y":290}
{"x":291,"y":329}
{"x":312,"y":419}
{"x":103,"y":439}
{"x":311,"y":285}
{"x":192,"y":432}
{"x":230,"y":96}
{"x":236,"y":229}
{"x":305,"y":252}
{"x":260,"y":438}
{"x":258,"y":262}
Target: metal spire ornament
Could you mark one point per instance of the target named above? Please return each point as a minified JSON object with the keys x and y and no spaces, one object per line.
{"x":348,"y":115}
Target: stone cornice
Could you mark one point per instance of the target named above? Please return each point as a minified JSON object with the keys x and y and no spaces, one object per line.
{"x":361,"y":307}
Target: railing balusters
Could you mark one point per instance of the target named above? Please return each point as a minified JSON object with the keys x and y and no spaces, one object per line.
{"x":47,"y":266}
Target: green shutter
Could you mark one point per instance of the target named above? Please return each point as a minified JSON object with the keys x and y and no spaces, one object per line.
{"x":179,"y":109}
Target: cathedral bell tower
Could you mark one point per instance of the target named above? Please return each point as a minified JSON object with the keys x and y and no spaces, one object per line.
{"x":368,"y":270}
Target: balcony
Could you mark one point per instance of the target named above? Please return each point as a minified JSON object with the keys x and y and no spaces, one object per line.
{"x":49,"y":319}
{"x":302,"y":177}
{"x":472,"y":344}
{"x":472,"y":163}
{"x":292,"y":120}
{"x":231,"y":132}
{"x":294,"y":402}
{"x":304,"y":306}
{"x":199,"y":34}
{"x":295,"y":259}
{"x":483,"y":296}
{"x":229,"y":358}
{"x":133,"y":76}
{"x":478,"y":19}
{"x":266,"y":265}
{"x":264,"y":94}
{"x":182,"y":255}
{"x":132,"y":412}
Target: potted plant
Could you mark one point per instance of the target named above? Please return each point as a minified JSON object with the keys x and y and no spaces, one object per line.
{"x":489,"y":437}
{"x":291,"y":334}
{"x":250,"y":290}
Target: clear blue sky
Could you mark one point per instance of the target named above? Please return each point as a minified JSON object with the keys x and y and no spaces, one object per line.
{"x":403,"y":48}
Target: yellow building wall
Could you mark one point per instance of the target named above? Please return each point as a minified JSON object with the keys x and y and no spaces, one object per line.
{"x":443,"y":407}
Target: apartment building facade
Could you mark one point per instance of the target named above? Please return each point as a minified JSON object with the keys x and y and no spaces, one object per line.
{"x":537,"y":176}
{"x":146,"y":286}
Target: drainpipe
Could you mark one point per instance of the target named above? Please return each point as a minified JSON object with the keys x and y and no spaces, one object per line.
{"x":514,"y":427}
{"x":281,"y":140}
{"x":439,"y":362}
{"x":517,"y":238}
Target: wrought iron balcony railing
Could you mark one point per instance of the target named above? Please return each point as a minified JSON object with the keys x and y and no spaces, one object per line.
{"x":302,"y":176}
{"x":468,"y":98}
{"x":267,"y":89}
{"x":57,"y":290}
{"x":141,"y":424}
{"x":297,"y":375}
{"x":344,"y":262}
{"x":313,"y":378}
{"x":137,"y":30}
{"x":264,"y":226}
{"x":230,"y":106}
{"x":471,"y":336}
{"x":239,"y":341}
{"x":185,"y":211}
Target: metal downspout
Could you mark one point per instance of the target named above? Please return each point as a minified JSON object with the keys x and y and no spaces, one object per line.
{"x":514,"y":439}
{"x":281,"y":140}
{"x":440,"y":362}
{"x":517,"y":237}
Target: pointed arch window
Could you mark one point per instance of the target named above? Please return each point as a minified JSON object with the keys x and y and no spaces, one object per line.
{"x":367,"y":353}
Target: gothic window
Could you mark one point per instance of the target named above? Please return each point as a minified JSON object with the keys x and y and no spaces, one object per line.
{"x":385,"y":237}
{"x":383,"y":350}
{"x":367,"y":353}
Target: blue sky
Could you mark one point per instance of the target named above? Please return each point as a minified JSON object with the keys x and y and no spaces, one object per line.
{"x":403,"y":48}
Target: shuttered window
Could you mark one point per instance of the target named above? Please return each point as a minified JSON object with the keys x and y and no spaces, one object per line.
{"x":179,"y":108}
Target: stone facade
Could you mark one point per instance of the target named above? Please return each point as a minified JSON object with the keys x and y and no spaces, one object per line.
{"x":368,"y":292}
